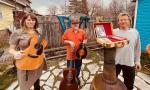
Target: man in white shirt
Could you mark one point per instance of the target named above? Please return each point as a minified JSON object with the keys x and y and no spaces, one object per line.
{"x":127,"y":57}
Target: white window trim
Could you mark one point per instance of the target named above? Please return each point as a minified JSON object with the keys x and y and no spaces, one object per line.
{"x":136,"y":10}
{"x":1,"y":14}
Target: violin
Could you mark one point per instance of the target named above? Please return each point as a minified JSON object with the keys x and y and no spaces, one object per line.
{"x":81,"y":51}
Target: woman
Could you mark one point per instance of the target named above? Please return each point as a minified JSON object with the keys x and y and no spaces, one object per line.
{"x":19,"y":41}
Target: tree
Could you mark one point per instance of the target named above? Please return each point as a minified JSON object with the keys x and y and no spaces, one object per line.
{"x":52,"y":10}
{"x":94,"y":5}
{"x":115,"y":8}
{"x":64,"y":9}
{"x":131,"y":11}
{"x":78,"y":6}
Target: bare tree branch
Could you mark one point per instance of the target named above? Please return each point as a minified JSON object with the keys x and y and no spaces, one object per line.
{"x":52,"y":10}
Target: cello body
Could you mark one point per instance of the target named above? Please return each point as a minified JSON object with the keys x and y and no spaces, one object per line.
{"x":69,"y":81}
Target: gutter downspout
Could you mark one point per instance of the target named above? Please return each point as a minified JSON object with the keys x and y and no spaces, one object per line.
{"x":136,"y":10}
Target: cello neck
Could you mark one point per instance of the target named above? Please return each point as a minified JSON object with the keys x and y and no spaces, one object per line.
{"x":72,"y":61}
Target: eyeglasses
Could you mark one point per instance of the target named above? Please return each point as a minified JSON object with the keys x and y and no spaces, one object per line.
{"x":75,"y":23}
{"x":123,"y":19}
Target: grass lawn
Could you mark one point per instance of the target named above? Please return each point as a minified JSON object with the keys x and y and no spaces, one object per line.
{"x":144,"y":61}
{"x":8,"y":76}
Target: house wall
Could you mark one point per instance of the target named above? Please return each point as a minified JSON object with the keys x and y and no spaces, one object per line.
{"x":6,"y":16}
{"x":143,"y":22}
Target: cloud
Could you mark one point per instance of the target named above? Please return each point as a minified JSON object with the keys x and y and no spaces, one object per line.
{"x":42,"y":10}
{"x":41,"y":6}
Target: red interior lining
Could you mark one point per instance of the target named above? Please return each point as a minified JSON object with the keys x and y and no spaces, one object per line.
{"x":108,"y":31}
{"x":114,"y":40}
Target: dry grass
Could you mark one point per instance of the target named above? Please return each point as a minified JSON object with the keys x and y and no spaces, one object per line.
{"x":144,"y":61}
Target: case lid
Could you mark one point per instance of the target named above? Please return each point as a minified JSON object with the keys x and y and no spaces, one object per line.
{"x":106,"y":25}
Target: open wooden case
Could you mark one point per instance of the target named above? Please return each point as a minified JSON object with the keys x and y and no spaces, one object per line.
{"x":105,"y":37}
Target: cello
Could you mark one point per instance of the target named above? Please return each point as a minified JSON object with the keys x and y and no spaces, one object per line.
{"x":69,"y":81}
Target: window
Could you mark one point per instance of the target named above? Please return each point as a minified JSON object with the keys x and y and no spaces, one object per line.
{"x":1,"y":15}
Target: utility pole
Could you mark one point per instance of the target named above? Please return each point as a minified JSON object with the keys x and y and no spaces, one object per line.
{"x":15,"y":6}
{"x":126,"y":5}
{"x":65,"y":7}
{"x":84,"y":7}
{"x":102,"y":6}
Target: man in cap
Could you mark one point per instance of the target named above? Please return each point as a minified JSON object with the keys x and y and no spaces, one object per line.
{"x":73,"y":37}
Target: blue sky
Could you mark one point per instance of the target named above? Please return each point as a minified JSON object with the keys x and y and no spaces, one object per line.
{"x":41,"y":6}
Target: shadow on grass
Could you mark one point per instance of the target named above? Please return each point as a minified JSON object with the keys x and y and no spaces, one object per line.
{"x":7,"y":78}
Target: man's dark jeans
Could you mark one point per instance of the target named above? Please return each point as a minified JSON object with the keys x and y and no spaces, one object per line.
{"x":128,"y":75}
{"x":77,"y":64}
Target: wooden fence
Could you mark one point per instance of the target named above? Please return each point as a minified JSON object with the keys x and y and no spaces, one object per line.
{"x":54,"y":33}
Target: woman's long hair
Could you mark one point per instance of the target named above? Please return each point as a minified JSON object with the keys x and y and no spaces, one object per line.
{"x":33,"y":17}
